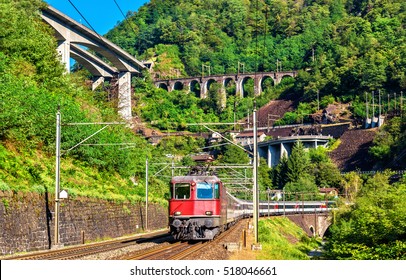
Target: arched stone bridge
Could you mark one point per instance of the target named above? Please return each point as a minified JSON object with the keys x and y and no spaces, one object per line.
{"x":315,"y":225}
{"x":239,"y":80}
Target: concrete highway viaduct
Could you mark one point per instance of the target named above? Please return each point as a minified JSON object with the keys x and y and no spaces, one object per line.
{"x":73,"y":37}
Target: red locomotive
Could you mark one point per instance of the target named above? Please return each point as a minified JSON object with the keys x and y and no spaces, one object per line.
{"x":200,"y":208}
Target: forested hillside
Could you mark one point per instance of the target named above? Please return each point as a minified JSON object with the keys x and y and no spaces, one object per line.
{"x":343,"y":49}
{"x":347,"y":52}
{"x":352,"y":47}
{"x":32,"y":87}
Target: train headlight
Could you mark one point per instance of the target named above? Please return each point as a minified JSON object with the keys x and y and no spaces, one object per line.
{"x":209,"y":213}
{"x":208,"y":223}
{"x":177,"y":213}
{"x":176,"y":223}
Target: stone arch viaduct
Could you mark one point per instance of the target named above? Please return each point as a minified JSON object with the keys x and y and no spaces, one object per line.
{"x":239,"y":80}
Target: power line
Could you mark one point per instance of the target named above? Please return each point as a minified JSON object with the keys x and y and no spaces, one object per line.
{"x":125,"y":17}
{"x":77,"y":10}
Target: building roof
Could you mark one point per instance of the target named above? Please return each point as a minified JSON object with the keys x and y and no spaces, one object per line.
{"x":328,"y":190}
{"x":249,"y":134}
{"x":203,"y":158}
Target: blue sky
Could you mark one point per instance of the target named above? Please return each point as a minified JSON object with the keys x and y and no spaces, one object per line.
{"x":103,"y":15}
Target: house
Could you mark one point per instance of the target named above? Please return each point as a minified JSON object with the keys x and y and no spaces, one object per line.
{"x":202,"y":158}
{"x":329,"y":191}
{"x":246,"y":138}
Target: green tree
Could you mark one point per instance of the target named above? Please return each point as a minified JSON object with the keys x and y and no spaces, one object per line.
{"x":304,"y":188}
{"x":325,"y":172}
{"x":279,"y":177}
{"x":373,"y":227}
{"x":264,"y":178}
{"x":298,"y":163}
{"x":234,"y":155}
{"x":352,"y":185}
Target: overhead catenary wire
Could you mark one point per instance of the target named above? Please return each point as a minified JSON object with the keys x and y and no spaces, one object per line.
{"x":125,"y":17}
{"x":77,"y":10}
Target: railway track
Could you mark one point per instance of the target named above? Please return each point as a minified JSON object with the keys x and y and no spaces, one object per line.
{"x":160,"y":251}
{"x":177,"y":250}
{"x":81,"y":251}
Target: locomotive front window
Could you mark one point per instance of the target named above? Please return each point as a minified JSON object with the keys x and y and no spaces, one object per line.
{"x":182,"y":191}
{"x":217,"y":190}
{"x":204,"y":190}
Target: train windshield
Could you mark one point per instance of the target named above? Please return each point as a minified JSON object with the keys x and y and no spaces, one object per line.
{"x":182,"y":191}
{"x":217,"y":190}
{"x":204,"y":190}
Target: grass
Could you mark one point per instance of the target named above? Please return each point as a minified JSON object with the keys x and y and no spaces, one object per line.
{"x":22,"y":170}
{"x":281,"y":239}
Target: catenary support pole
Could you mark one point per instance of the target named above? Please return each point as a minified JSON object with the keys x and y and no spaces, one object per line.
{"x":57,"y":175}
{"x":255,"y":176}
{"x":146,"y":194}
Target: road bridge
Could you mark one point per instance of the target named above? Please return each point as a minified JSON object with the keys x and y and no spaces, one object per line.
{"x":204,"y":82}
{"x":73,"y":36}
{"x":273,"y":150}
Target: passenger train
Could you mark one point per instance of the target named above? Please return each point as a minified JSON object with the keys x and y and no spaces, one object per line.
{"x":200,"y":208}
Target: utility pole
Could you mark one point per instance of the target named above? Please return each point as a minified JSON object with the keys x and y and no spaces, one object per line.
{"x":234,"y":114}
{"x":173,"y":167}
{"x":313,"y":54}
{"x":373,"y":106}
{"x":318,"y":102}
{"x":57,"y":175}
{"x":268,"y":191}
{"x":255,"y":165}
{"x":284,"y":199}
{"x":203,"y":67}
{"x":255,"y":175}
{"x":146,"y":193}
{"x":275,"y":117}
{"x":387,"y":111}
{"x":366,"y":105}
{"x":380,"y":110}
{"x":58,"y":163}
{"x":239,"y":69}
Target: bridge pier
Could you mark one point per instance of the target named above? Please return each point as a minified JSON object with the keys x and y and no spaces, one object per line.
{"x":97,"y":81}
{"x":64,"y":51}
{"x":274,"y":150}
{"x":203,"y":89}
{"x":239,"y":87}
{"x":124,"y":95}
{"x":257,"y":86}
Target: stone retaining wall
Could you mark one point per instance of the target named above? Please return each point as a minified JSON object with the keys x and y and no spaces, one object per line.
{"x":27,"y":220}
